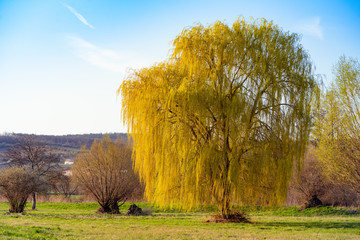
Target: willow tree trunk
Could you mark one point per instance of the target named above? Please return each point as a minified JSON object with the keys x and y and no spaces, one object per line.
{"x":226,"y":198}
{"x":34,"y":201}
{"x":225,"y":203}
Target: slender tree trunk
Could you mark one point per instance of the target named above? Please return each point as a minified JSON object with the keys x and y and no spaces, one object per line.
{"x":225,"y":204}
{"x":226,"y":198}
{"x":34,"y":201}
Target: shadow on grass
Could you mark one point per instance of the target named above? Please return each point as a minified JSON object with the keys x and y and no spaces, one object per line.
{"x":315,"y":224}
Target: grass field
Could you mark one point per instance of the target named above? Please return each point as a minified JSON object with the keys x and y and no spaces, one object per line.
{"x":79,"y":221}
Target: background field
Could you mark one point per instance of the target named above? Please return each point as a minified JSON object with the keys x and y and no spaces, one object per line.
{"x":79,"y":221}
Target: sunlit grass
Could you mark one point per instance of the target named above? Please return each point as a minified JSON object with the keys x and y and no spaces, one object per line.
{"x":79,"y":221}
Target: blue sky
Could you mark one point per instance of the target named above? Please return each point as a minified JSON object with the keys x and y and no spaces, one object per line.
{"x":61,"y":62}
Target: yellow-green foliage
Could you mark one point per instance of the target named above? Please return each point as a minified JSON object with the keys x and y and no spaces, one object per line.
{"x":224,"y":118}
{"x":337,"y":128}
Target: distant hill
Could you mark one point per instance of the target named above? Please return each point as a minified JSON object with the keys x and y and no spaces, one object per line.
{"x":67,"y":145}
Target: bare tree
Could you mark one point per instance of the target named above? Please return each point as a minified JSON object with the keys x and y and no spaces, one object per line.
{"x":105,"y":172}
{"x":311,"y":184}
{"x":34,"y":155}
{"x":62,"y":184}
{"x":16,"y":184}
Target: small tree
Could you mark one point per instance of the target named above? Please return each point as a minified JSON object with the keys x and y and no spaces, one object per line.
{"x":310,"y":184}
{"x":62,"y":184}
{"x":105,"y":173}
{"x":16,"y":184}
{"x":34,"y":155}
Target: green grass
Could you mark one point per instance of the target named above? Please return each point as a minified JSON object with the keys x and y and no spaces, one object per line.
{"x":79,"y":221}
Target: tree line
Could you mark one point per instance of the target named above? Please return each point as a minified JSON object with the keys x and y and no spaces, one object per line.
{"x":71,"y":140}
{"x":67,"y":145}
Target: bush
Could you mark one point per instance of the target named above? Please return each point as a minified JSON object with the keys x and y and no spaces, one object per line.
{"x":105,"y":172}
{"x":16,"y":185}
{"x":312,"y":183}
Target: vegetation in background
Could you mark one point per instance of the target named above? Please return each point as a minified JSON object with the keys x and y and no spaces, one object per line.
{"x":34,"y":155}
{"x":16,"y":184}
{"x":63,"y":184}
{"x":338,"y":125}
{"x":67,"y":145}
{"x":225,"y":119}
{"x":105,"y":172}
{"x":312,"y":183}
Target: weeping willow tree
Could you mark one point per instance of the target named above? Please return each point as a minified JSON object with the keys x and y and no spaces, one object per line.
{"x":224,"y":119}
{"x":338,"y":125}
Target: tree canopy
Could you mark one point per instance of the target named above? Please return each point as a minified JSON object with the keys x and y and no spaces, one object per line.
{"x":224,"y":119}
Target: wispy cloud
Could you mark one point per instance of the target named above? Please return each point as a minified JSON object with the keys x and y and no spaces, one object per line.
{"x":98,"y":56}
{"x":311,"y":26}
{"x":79,"y":16}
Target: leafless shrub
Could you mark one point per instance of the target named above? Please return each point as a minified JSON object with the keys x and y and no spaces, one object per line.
{"x":62,"y":185}
{"x":311,"y":183}
{"x":105,"y":172}
{"x":341,"y":194}
{"x":16,"y":184}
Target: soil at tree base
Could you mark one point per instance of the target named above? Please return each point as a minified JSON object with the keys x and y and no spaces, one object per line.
{"x":231,"y":218}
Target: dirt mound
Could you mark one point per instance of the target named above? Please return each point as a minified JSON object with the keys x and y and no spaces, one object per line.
{"x":231,"y":218}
